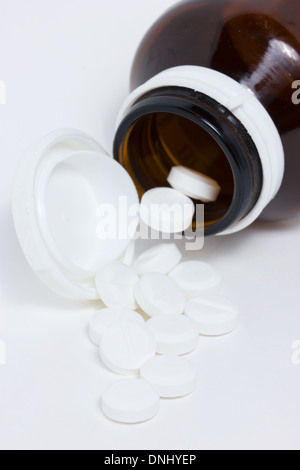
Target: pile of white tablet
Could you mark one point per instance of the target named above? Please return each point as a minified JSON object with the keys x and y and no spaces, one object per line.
{"x":156,"y":310}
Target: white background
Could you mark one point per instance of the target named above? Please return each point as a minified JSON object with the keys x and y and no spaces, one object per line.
{"x":66,"y":63}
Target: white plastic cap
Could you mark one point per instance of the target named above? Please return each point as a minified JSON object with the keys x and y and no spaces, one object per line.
{"x":68,"y":214}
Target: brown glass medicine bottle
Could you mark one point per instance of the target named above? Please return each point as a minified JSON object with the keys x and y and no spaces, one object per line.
{"x":215,"y":87}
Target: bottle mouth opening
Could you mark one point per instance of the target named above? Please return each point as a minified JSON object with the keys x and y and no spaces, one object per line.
{"x":179,"y":127}
{"x":160,"y":141}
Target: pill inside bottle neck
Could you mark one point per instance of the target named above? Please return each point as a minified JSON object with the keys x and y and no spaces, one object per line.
{"x":160,"y":141}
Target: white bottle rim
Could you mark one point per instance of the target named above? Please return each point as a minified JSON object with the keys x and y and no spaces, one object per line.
{"x":243,"y":104}
{"x":56,"y":163}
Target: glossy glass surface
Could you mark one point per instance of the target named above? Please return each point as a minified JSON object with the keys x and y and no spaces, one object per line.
{"x":256,"y":43}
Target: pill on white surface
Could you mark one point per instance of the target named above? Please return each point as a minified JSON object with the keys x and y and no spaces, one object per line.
{"x":130,"y":401}
{"x":167,"y":210}
{"x":158,"y":294}
{"x":125,"y":347}
{"x":171,"y":376}
{"x":215,"y":315}
{"x":115,"y":285}
{"x":175,"y":334}
{"x":195,"y":277}
{"x":194,"y":184}
{"x":109,"y":317}
{"x":162,"y":258}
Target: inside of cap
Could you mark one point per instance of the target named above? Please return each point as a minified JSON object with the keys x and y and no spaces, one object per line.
{"x":83,"y":220}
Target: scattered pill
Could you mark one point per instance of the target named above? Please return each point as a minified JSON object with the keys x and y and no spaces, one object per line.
{"x":162,"y":258}
{"x":175,"y":334}
{"x":109,"y":317}
{"x":125,"y":347}
{"x":158,"y":294}
{"x":171,"y":376}
{"x":195,"y":278}
{"x":130,"y":401}
{"x":115,"y":285}
{"x":215,"y":315}
{"x":194,"y":184}
{"x":167,"y":210}
{"x":153,"y":350}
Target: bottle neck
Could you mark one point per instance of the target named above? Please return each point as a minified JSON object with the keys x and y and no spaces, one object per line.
{"x":201,"y":119}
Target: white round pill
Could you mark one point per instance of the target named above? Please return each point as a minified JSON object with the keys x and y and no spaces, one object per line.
{"x":195,"y":277}
{"x":194,"y":184}
{"x":215,"y":315}
{"x":171,"y":376}
{"x":125,"y":347}
{"x":158,"y":294}
{"x":109,"y":317}
{"x":175,"y":334}
{"x":115,"y":285}
{"x":167,"y":210}
{"x":130,"y":401}
{"x":162,"y":258}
